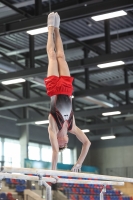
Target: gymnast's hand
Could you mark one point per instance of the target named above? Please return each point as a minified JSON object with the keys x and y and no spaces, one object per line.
{"x":56,"y":178}
{"x":76,"y":168}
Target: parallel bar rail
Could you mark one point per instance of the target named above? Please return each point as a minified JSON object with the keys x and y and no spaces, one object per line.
{"x":7,"y":172}
{"x":60,"y":180}
{"x":65,"y":173}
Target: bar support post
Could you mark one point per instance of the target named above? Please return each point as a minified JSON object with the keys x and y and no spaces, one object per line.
{"x":41,"y":182}
{"x":102,"y":192}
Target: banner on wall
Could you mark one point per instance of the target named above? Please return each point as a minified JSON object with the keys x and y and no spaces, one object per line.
{"x":47,"y":165}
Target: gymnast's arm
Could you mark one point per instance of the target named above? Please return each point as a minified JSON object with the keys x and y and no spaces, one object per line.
{"x":54,"y":144}
{"x":85,"y":143}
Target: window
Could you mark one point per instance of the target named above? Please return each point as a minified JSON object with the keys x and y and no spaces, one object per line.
{"x":34,"y":151}
{"x":12,"y":153}
{"x":46,"y":153}
{"x":67,"y":156}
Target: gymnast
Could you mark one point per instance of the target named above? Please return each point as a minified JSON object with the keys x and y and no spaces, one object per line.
{"x":59,"y":88}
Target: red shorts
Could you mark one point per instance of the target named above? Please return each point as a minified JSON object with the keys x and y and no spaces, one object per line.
{"x":59,"y":85}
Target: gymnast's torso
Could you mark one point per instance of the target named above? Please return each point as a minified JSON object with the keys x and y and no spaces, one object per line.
{"x":61,"y":110}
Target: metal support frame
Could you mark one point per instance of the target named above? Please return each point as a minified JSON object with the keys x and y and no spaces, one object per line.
{"x":87,"y":78}
{"x":103,"y":90}
{"x":88,"y":62}
{"x":26,"y":95}
{"x":4,"y":87}
{"x":102,"y":192}
{"x":42,"y":182}
{"x":86,"y":72}
{"x":89,"y":112}
{"x":24,"y":102}
{"x":107,"y":36}
{"x":129,"y":128}
{"x":32,"y":55}
{"x":12,"y":60}
{"x":13,"y":113}
{"x":48,"y":191}
{"x":18,"y":10}
{"x":38,"y":7}
{"x":26,"y":90}
{"x":31,"y":52}
{"x":37,"y":100}
{"x":126,"y":82}
{"x":91,"y":127}
{"x":87,"y":46}
{"x":76,"y":11}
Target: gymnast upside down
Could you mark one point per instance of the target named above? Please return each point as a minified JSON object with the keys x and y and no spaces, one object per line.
{"x":59,"y":88}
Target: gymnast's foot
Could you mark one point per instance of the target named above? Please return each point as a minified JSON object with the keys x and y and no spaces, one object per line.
{"x":51,"y":19}
{"x":57,"y":20}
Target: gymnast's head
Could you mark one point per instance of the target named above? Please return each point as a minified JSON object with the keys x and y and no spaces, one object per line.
{"x":62,"y":142}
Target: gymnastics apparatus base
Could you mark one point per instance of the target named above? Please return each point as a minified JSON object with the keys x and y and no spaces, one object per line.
{"x":38,"y":175}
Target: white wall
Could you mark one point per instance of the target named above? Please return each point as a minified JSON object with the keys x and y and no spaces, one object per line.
{"x":111,"y":157}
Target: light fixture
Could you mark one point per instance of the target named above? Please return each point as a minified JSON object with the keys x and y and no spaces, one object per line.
{"x":111,"y":113}
{"x":38,"y":31}
{"x":86,"y":130}
{"x":72,"y":96}
{"x":109,"y":15}
{"x":19,"y":80}
{"x":42,"y":122}
{"x":108,"y":137}
{"x":1,"y":5}
{"x":3,"y":71}
{"x":111,"y":64}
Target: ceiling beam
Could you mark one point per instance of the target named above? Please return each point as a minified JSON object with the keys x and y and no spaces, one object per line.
{"x":87,"y":46}
{"x":93,"y":62}
{"x":22,"y":73}
{"x":22,"y":122}
{"x":98,"y":38}
{"x":77,"y":11}
{"x":12,"y":60}
{"x":83,"y":113}
{"x":103,"y":90}
{"x":23,"y":103}
{"x":107,"y":125}
{"x":96,"y":126}
{"x":10,"y":18}
{"x":19,"y":5}
{"x":89,"y":112}
{"x":101,"y":70}
{"x":114,"y":37}
{"x":88,"y":62}
{"x":15,"y":9}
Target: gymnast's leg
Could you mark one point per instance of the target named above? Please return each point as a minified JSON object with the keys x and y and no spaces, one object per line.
{"x":62,"y":64}
{"x":53,"y":65}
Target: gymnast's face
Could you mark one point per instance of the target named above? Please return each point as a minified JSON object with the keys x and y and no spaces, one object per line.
{"x":63,"y":141}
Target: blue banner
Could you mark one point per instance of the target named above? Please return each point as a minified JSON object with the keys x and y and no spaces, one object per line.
{"x":47,"y":165}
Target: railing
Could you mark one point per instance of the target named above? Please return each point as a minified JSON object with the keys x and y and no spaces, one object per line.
{"x":101,"y":179}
